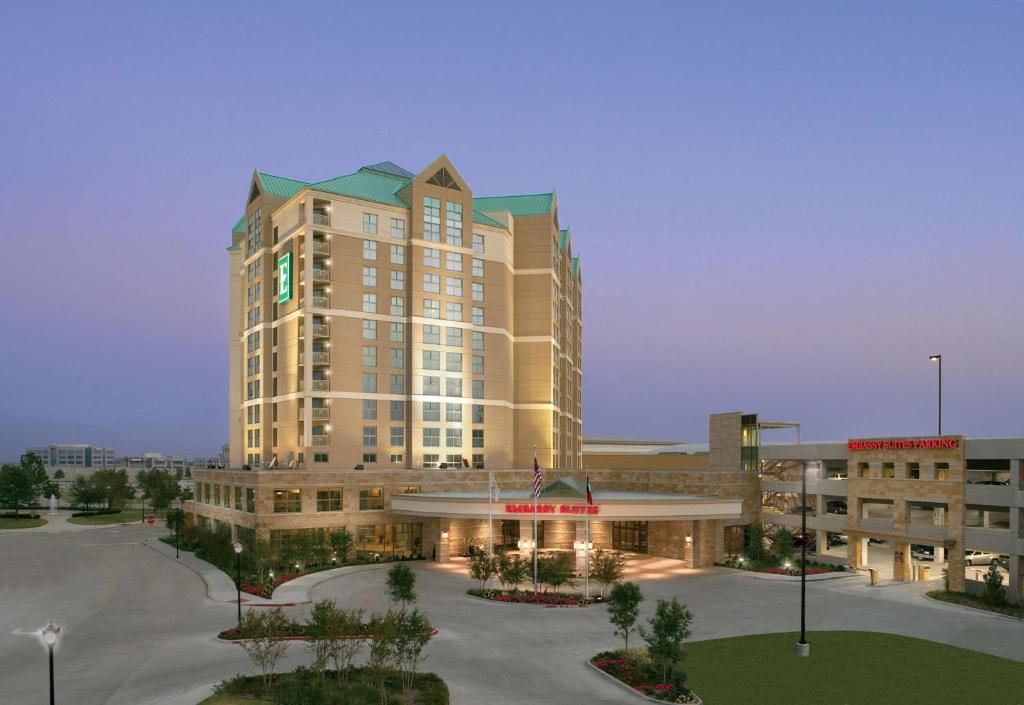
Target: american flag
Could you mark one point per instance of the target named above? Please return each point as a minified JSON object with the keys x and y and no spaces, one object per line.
{"x":538,"y":477}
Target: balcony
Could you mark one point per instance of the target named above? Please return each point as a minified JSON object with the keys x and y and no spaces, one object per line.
{"x":321,"y":274}
{"x":321,"y":301}
{"x":321,"y":218}
{"x":321,"y":247}
{"x":321,"y":330}
{"x":321,"y":385}
{"x":321,"y":439}
{"x":319,"y":413}
{"x":321,"y":357}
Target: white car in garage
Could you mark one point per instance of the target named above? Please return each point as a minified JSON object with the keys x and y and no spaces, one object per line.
{"x":980,"y":558}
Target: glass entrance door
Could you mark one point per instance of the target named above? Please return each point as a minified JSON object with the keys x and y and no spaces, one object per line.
{"x":629,"y":536}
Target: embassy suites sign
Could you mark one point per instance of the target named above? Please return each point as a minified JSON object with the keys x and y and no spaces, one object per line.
{"x":935,"y":443}
{"x":552,"y":509}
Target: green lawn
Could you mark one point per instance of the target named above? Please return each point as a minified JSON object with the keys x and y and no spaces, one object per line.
{"x":847,"y":668}
{"x":26,"y":523}
{"x":230,"y":700}
{"x":126,"y":517}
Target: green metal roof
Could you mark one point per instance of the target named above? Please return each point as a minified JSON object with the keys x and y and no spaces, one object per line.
{"x":563,"y":239}
{"x":280,"y":186}
{"x":367,"y":185}
{"x":576,"y":266}
{"x":483,"y":219}
{"x":236,"y":246}
{"x":529,"y":204}
{"x":240,"y":225}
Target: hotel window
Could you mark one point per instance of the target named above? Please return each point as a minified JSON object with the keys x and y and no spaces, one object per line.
{"x":432,"y":334}
{"x":432,"y":283}
{"x":478,"y":438}
{"x":369,"y":457}
{"x":888,"y":470}
{"x":397,"y":228}
{"x":369,"y":330}
{"x":406,"y":489}
{"x":398,"y":435}
{"x":370,"y":223}
{"x":431,"y":411}
{"x":477,"y":339}
{"x":453,"y":336}
{"x":328,"y":500}
{"x":369,"y":436}
{"x":431,"y":308}
{"x":453,"y":362}
{"x":431,"y":360}
{"x":287,"y":501}
{"x":453,"y":387}
{"x":453,"y":312}
{"x":369,"y":303}
{"x":478,"y":291}
{"x":453,"y":413}
{"x":453,"y":261}
{"x":431,"y":219}
{"x":454,"y":460}
{"x":478,"y":364}
{"x":941,"y":471}
{"x":478,"y":461}
{"x":369,"y":383}
{"x":431,"y":385}
{"x":478,"y":242}
{"x":369,"y":276}
{"x":371,"y":499}
{"x":478,"y":267}
{"x":250,"y":500}
{"x":453,"y":437}
{"x":398,"y":411}
{"x":216,"y":495}
{"x":914,"y":471}
{"x":397,"y":306}
{"x":369,"y":249}
{"x":431,"y":437}
{"x":453,"y":286}
{"x":430,"y":460}
{"x":396,"y":384}
{"x":397,"y":332}
{"x":369,"y":356}
{"x":396,"y":358}
{"x":431,"y":257}
{"x":319,"y":457}
{"x":863,"y":470}
{"x":396,"y":457}
{"x":397,"y":280}
{"x":478,"y":413}
{"x":453,"y":223}
{"x":397,"y":254}
{"x":478,"y":389}
{"x":478,"y":316}
{"x":369,"y":409}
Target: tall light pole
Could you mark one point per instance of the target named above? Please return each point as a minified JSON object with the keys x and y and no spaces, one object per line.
{"x":238,"y":581}
{"x":50,"y":634}
{"x":938,"y":359}
{"x":802,"y":647}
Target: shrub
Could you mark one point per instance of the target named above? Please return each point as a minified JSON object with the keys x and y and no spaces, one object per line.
{"x":783,"y":543}
{"x":606,"y":567}
{"x":994,"y":594}
{"x":482,"y":568}
{"x":265,"y":632}
{"x":401,"y":584}
{"x":556,"y":570}
{"x":513,"y":570}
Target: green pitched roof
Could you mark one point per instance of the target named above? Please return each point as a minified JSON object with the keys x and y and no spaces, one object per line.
{"x":563,"y":239}
{"x":530,"y":204}
{"x":367,"y":185}
{"x":280,"y":186}
{"x":240,"y":225}
{"x":483,"y":219}
{"x":576,"y":266}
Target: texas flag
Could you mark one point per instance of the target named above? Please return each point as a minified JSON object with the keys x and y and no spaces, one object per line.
{"x":590,"y":495}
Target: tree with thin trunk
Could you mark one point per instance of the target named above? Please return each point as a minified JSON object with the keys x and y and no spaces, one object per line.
{"x":670,"y":627}
{"x":513,"y":570}
{"x":402,"y":584}
{"x":482,"y":568}
{"x":606,"y":568}
{"x":624,"y":608}
{"x":263,"y":633}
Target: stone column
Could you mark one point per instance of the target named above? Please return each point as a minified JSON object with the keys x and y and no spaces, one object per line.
{"x":581,"y":537}
{"x":856,"y":551}
{"x":940,"y":555}
{"x":902,"y":567}
{"x":692,"y":554}
{"x":820,"y":542}
{"x":711,"y":544}
{"x":1015,"y":569}
{"x":444,"y":551}
{"x":955,"y":565}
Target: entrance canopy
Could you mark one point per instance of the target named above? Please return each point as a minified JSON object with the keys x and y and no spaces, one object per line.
{"x":565,"y":499}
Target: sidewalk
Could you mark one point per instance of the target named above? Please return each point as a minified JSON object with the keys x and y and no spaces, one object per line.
{"x":297,"y":591}
{"x":219,"y":587}
{"x":56,"y":524}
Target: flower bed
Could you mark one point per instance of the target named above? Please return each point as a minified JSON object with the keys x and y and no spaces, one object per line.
{"x":550,"y":599}
{"x":772,"y":567}
{"x":267,"y":589}
{"x":796,"y":572}
{"x":643,"y":677}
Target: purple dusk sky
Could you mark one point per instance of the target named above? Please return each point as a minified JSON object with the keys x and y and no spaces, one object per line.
{"x":781,"y":208}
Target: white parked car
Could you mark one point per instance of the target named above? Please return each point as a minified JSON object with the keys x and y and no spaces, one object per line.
{"x":980,"y":558}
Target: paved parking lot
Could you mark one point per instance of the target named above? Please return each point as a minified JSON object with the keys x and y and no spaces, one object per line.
{"x":141,"y":629}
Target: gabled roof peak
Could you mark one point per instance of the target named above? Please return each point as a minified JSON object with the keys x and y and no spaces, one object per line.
{"x":389,"y":168}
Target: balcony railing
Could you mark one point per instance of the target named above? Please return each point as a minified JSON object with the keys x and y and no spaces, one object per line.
{"x":321,"y":412}
{"x":321,"y":357}
{"x":321,"y":248}
{"x":321,"y":439}
{"x":321,"y":385}
{"x":321,"y":218}
{"x":321,"y":330}
{"x":321,"y":302}
{"x":321,"y":274}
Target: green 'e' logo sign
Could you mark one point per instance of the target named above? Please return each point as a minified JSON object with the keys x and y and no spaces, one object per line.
{"x":284,"y":278}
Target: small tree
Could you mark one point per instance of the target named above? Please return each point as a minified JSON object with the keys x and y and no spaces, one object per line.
{"x":624,"y":608}
{"x":59,"y":475}
{"x":754,"y":540}
{"x":17,"y":489}
{"x":264,"y":632}
{"x":330,"y":629}
{"x":994,"y":594}
{"x":558,"y":570}
{"x":402,"y":584}
{"x":482,"y":568}
{"x":384,"y":648}
{"x":782,"y":543}
{"x":341,"y":543}
{"x":670,"y":627}
{"x":159,"y":486}
{"x":513,"y":570}
{"x":606,"y":568}
{"x":415,"y":631}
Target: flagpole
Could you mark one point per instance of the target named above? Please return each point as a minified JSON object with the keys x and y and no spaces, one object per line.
{"x":536,"y":544}
{"x":586,"y":559}
{"x":490,"y":521}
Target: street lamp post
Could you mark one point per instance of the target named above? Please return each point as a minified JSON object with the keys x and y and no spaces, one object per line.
{"x":238,"y":580}
{"x":50,"y":635}
{"x":938,"y":359}
{"x":177,"y":527}
{"x":802,"y":647}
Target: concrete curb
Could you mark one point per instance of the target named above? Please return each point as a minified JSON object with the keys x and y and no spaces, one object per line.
{"x":630,"y":688}
{"x":296,"y":592}
{"x":219,"y":587}
{"x":192,"y":696}
{"x":790,"y":578}
{"x":975,"y":610}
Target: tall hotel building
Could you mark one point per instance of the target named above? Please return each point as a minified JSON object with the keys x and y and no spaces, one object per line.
{"x":388,"y":320}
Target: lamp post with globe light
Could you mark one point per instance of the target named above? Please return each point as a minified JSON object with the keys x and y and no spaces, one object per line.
{"x":50,"y":635}
{"x":238,"y":580}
